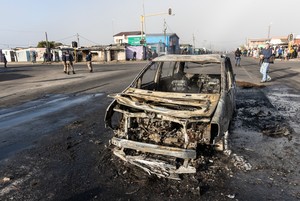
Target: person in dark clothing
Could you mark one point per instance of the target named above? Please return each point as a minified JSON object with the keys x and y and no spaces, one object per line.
{"x":69,"y":63}
{"x":238,"y":54}
{"x":134,"y":56}
{"x":5,"y":61}
{"x":45,"y":56}
{"x":88,"y":59}
{"x":265,"y":56}
{"x":63,"y":58}
{"x":154,"y":55}
{"x":149,"y":55}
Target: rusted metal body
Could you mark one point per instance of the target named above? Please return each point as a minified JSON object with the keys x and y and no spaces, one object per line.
{"x":174,"y":104}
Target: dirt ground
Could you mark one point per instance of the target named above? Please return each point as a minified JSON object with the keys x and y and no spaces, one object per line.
{"x":261,"y":162}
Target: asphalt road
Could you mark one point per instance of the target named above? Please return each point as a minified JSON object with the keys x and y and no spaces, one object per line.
{"x":33,"y":94}
{"x":53,"y":140}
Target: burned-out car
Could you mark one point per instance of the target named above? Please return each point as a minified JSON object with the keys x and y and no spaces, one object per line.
{"x":174,"y":105}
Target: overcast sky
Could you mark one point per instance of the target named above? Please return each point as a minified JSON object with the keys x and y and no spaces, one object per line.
{"x":220,"y":24}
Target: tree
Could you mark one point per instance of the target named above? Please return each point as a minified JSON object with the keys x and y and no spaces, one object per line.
{"x":52,"y":44}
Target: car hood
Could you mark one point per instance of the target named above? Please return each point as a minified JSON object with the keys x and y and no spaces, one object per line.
{"x":180,"y":105}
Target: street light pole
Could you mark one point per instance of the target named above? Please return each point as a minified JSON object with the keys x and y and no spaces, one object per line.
{"x":269,"y":30}
{"x":142,"y":28}
{"x":151,"y":15}
{"x":165,"y":36}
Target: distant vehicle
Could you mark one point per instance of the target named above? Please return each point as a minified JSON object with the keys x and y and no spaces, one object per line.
{"x":175,"y":104}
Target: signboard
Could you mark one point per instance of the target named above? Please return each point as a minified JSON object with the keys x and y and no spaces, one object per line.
{"x":135,"y":40}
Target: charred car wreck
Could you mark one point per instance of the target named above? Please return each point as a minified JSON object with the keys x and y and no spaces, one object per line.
{"x":175,"y":104}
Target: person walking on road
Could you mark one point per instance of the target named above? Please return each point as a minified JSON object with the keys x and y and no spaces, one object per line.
{"x":238,"y":54}
{"x":69,"y":63}
{"x":33,"y":57}
{"x":4,"y":61}
{"x":265,"y":56}
{"x":154,"y":55}
{"x":88,"y":59}
{"x":64,"y":61}
{"x":149,"y":55}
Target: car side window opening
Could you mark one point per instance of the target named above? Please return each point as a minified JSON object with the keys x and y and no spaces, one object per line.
{"x":149,"y":75}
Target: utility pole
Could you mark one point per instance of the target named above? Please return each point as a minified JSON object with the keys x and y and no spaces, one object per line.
{"x":47,"y":48}
{"x":143,"y":24}
{"x":142,"y":29}
{"x":75,"y":53}
{"x":47,"y":43}
{"x":77,"y":35}
{"x":165,"y":36}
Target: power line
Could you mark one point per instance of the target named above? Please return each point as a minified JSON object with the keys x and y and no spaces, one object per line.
{"x":65,"y":38}
{"x":88,"y":40}
{"x":169,"y":28}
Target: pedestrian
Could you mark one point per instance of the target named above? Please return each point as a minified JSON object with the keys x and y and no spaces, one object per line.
{"x":184,"y":51}
{"x":5,"y":61}
{"x":50,"y":58}
{"x":237,"y":54}
{"x":265,"y":56}
{"x":280,"y":51}
{"x":45,"y":57}
{"x":154,"y":55}
{"x":63,"y":58}
{"x":69,"y":63}
{"x":56,"y":57}
{"x":134,"y":56}
{"x":285,"y":54}
{"x":290,"y":53}
{"x":33,"y":59}
{"x":149,"y":55}
{"x":88,"y":59}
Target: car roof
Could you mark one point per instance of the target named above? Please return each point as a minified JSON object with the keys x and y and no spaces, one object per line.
{"x":205,"y":58}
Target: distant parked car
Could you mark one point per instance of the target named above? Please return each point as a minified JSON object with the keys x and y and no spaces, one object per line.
{"x":175,"y":104}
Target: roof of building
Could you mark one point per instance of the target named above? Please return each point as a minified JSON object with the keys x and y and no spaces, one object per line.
{"x":162,"y":34}
{"x":128,"y":33}
{"x":258,"y":39}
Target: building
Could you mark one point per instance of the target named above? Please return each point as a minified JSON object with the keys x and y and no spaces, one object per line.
{"x":10,"y":55}
{"x":1,"y":56}
{"x":131,"y":37}
{"x":297,"y":40}
{"x":156,"y":42}
{"x":167,"y":42}
{"x":261,"y":42}
{"x":279,"y":41}
{"x":256,"y":43}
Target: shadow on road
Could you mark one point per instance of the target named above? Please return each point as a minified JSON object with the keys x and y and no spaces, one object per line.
{"x":285,"y":76}
{"x":6,"y":77}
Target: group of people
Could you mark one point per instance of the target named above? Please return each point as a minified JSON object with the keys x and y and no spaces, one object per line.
{"x":266,"y":57}
{"x":68,"y":59}
{"x":280,"y":52}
